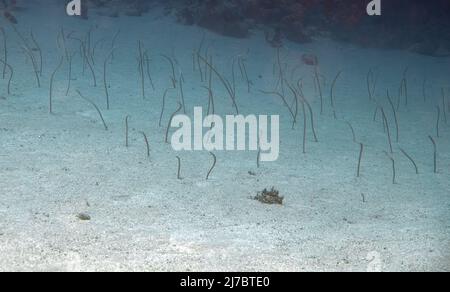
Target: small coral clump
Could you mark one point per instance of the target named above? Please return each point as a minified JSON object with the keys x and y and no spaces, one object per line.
{"x":271,"y":197}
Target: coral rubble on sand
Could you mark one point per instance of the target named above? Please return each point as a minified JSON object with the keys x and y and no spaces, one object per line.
{"x":271,"y":197}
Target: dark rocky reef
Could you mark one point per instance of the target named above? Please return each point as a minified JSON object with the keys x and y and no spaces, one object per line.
{"x":416,"y":25}
{"x":114,"y":8}
{"x":223,"y":17}
{"x":8,"y":8}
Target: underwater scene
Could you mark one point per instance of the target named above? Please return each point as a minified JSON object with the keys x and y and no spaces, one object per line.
{"x":225,"y":135}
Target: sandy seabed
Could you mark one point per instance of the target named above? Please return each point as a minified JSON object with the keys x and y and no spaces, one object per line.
{"x":142,"y":218}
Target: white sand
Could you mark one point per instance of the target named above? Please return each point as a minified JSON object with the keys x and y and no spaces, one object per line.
{"x":54,"y":167}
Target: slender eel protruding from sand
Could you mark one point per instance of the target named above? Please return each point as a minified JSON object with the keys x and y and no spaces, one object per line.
{"x":127,"y":118}
{"x":147,"y":145}
{"x":51,"y":84}
{"x":172,"y":66}
{"x":113,"y":42}
{"x":443,"y":106}
{"x":369,"y":79}
{"x":38,"y":48}
{"x":319,"y":87}
{"x":182,"y":93}
{"x":96,"y":108}
{"x":213,"y":165}
{"x":225,"y":82}
{"x":33,"y":61}
{"x":361,"y":151}
{"x":10,"y":76}
{"x":85,"y":53}
{"x":304,"y":127}
{"x":105,"y":82}
{"x":404,"y":86}
{"x":149,"y":75}
{"x":295,"y":106}
{"x":163,"y":106}
{"x":394,"y":174}
{"x":141,"y":69}
{"x":353,"y":131}
{"x":244,"y":73}
{"x":258,"y":158}
{"x":69,"y":77}
{"x":386,"y":124}
{"x":410,"y":159}
{"x":395,"y":116}
{"x":332,"y":88}
{"x":308,"y":105}
{"x":179,"y":168}
{"x":283,"y":98}
{"x":438,"y":109}
{"x":211,"y":109}
{"x":434,"y":153}
{"x":5,"y":51}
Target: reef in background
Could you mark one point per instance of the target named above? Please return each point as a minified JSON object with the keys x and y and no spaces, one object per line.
{"x":415,"y":25}
{"x":115,"y":8}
